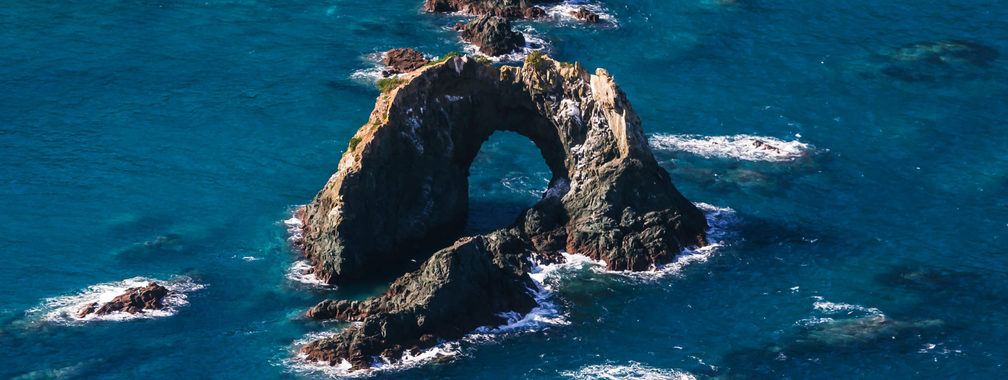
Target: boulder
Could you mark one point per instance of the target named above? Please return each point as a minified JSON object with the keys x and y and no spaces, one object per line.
{"x":585,"y":15}
{"x":403,"y":61}
{"x":133,"y":301}
{"x":493,"y":35}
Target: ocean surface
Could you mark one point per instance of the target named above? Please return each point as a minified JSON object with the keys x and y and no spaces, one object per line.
{"x":171,"y":140}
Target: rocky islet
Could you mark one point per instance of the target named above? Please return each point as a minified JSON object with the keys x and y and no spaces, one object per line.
{"x":608,"y":199}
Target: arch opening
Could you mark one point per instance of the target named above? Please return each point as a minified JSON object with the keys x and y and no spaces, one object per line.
{"x":507,"y":176}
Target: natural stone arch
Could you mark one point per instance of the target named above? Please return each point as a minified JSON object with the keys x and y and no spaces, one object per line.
{"x":402,"y":184}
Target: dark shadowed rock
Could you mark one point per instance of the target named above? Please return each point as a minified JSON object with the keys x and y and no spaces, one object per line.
{"x":608,"y":198}
{"x":458,"y":289}
{"x":403,"y":61}
{"x":585,"y":15}
{"x":493,"y":35}
{"x":133,"y":301}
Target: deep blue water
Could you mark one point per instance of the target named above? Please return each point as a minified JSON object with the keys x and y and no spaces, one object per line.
{"x":880,"y":255}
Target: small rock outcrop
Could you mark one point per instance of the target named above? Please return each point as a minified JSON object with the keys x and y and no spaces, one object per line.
{"x":608,"y":199}
{"x":403,"y":61}
{"x":493,"y":35}
{"x":134,"y":300}
{"x":458,"y":289}
{"x":511,"y":9}
{"x":585,"y":15}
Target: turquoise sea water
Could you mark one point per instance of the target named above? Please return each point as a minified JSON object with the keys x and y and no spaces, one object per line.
{"x":170,"y":140}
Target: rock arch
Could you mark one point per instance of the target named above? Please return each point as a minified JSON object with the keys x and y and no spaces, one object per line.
{"x":403,"y":182}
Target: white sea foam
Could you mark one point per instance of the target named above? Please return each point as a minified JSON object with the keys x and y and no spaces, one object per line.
{"x":561,"y":12}
{"x":371,"y":74}
{"x":301,"y":270}
{"x":828,"y":312}
{"x":741,"y":147}
{"x":721,"y":221}
{"x":524,"y":184}
{"x":64,"y":309}
{"x":631,"y":370}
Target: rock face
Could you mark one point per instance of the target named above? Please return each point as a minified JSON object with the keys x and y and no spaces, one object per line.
{"x":458,"y":289}
{"x":493,"y":35}
{"x":133,"y":301}
{"x":403,"y":183}
{"x":503,"y":8}
{"x":403,"y":61}
{"x":586,"y":15}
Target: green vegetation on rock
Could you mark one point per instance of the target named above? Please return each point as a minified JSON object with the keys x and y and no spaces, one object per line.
{"x":388,"y":84}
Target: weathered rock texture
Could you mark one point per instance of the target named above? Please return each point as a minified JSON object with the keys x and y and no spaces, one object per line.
{"x":403,"y":183}
{"x":585,"y":15}
{"x":493,"y":35}
{"x":133,"y":301}
{"x":403,"y":61}
{"x":460,"y":288}
{"x":503,"y":8}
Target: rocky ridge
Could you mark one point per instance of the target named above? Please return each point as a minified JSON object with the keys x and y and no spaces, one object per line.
{"x":608,"y":199}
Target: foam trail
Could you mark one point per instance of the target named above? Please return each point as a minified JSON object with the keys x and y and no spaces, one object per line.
{"x":64,"y":309}
{"x":631,"y":370}
{"x":826,"y":312}
{"x":301,"y":270}
{"x":741,"y":147}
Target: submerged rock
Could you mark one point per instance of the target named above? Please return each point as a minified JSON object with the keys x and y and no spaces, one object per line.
{"x":926,"y":61}
{"x":134,"y":300}
{"x":493,"y":35}
{"x":403,"y":61}
{"x":503,"y":8}
{"x":403,"y":184}
{"x":585,"y":15}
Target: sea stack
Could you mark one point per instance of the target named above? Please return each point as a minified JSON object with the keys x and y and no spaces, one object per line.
{"x":608,"y":199}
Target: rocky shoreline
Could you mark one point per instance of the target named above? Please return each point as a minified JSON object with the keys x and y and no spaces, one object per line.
{"x":608,"y":199}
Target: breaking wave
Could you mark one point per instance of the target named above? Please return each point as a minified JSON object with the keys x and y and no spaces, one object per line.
{"x":301,"y":270}
{"x":740,"y":147}
{"x":827,"y":312}
{"x":561,"y":12}
{"x":64,"y":309}
{"x":632,"y":370}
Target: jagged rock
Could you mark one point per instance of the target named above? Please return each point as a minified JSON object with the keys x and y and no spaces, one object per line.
{"x":503,"y":8}
{"x":403,"y":61}
{"x":608,"y":198}
{"x":585,"y":15}
{"x":133,"y":301}
{"x":493,"y":35}
{"x":458,"y":289}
